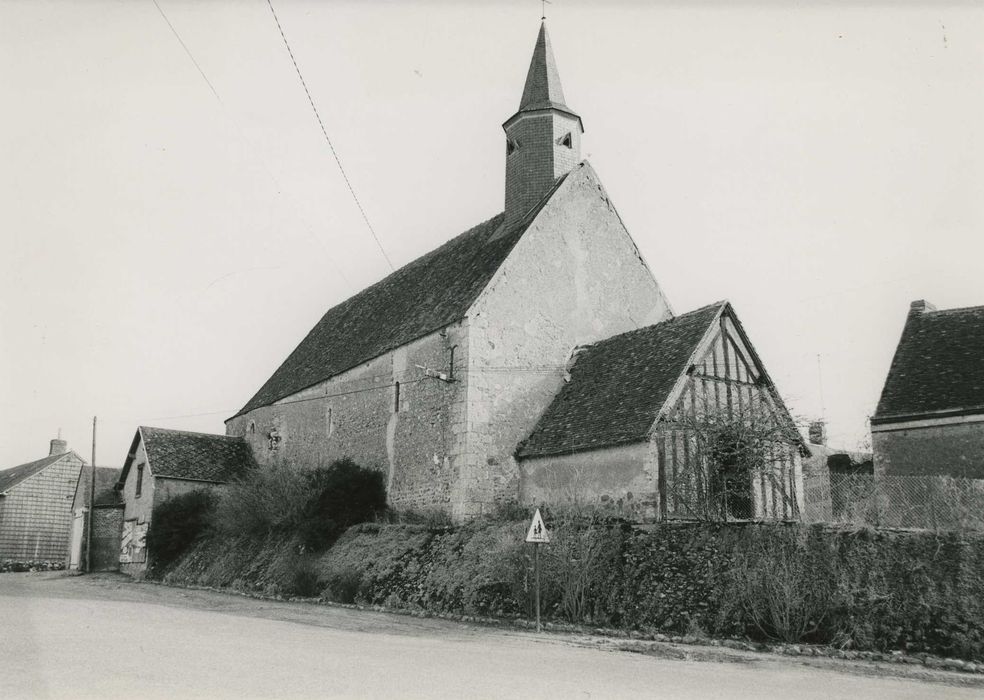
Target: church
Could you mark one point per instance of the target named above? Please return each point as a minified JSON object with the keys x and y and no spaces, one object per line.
{"x":531,"y":349}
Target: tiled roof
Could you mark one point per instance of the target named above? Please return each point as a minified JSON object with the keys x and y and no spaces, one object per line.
{"x":13,"y":476}
{"x":938,"y":364}
{"x":618,"y":386}
{"x":181,"y":455}
{"x":106,"y":478}
{"x":542,"y":89}
{"x":422,"y":297}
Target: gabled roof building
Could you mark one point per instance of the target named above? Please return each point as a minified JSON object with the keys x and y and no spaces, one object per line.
{"x":930,"y":417}
{"x":435,"y":374}
{"x":36,"y":506}
{"x":162,"y":464}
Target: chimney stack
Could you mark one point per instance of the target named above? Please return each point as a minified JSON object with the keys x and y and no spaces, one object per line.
{"x":58,"y":447}
{"x":818,"y":433}
{"x":920,"y":306}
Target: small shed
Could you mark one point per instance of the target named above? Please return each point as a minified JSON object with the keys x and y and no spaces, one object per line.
{"x":165,"y":463}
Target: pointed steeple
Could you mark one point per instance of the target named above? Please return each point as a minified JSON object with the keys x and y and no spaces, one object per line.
{"x":543,"y":138}
{"x":543,"y":89}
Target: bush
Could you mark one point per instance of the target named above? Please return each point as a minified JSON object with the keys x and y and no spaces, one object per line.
{"x":175,"y":525}
{"x":265,"y":500}
{"x":340,"y":496}
{"x":315,"y":506}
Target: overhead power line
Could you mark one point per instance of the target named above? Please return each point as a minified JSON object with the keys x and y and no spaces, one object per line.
{"x":308,"y":228}
{"x":327,"y":139}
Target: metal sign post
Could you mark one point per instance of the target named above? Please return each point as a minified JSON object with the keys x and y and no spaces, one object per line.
{"x":537,"y":535}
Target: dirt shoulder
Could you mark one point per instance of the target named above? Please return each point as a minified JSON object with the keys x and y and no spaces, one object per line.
{"x":349,"y":618}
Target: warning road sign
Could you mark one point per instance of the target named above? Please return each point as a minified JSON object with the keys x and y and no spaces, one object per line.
{"x":538,"y":531}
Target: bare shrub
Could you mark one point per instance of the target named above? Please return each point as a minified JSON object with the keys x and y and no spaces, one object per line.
{"x":786,"y":593}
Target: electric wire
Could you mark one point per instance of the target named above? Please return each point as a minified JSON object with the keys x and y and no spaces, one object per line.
{"x":308,"y":228}
{"x":324,"y":132}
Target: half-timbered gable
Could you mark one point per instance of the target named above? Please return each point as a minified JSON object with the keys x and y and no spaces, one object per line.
{"x":726,"y":443}
{"x":678,"y":420}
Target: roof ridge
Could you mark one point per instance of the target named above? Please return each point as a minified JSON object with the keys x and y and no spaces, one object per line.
{"x":185,"y":432}
{"x":958,"y":309}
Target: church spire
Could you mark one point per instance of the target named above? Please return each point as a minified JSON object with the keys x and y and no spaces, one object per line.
{"x":542,"y":81}
{"x":543,"y":138}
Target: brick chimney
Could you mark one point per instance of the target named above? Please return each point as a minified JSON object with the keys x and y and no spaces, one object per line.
{"x":818,"y":433}
{"x":58,"y":447}
{"x":920,"y":306}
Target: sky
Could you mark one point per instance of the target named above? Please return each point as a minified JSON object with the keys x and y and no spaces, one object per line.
{"x":169,"y":238}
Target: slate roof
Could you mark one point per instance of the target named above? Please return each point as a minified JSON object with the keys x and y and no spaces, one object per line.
{"x":618,"y":386}
{"x":13,"y":476}
{"x":938,"y":364}
{"x":106,"y":478}
{"x":177,"y":454}
{"x":420,"y":298}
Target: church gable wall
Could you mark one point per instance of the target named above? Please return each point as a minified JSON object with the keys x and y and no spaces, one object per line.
{"x":574,"y":278}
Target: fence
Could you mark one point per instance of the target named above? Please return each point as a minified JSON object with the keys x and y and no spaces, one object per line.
{"x":912,"y":502}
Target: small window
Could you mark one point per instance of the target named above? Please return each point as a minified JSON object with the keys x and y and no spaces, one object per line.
{"x":565,"y":140}
{"x":273,"y":440}
{"x":252,"y":428}
{"x":140,"y":471}
{"x":511,"y":146}
{"x":451,"y":363}
{"x":329,"y":426}
{"x":396,"y":398}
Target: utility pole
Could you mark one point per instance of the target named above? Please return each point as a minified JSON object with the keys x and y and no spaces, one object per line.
{"x":92,"y":500}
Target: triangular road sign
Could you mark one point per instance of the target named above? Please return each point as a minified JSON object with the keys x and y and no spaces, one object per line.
{"x":538,"y":531}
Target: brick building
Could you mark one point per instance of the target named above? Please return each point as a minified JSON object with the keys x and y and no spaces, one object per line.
{"x":435,"y":374}
{"x":36,"y":506}
{"x":930,"y":417}
{"x":162,"y":464}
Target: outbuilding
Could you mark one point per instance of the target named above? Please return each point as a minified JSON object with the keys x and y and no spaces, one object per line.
{"x":162,"y":464}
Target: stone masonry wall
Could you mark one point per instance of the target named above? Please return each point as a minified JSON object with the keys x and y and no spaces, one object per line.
{"x":575,"y":277}
{"x":416,"y":445}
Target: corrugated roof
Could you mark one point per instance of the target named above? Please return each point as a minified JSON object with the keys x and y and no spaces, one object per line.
{"x":422,"y":297}
{"x":618,"y":386}
{"x":200,"y":456}
{"x":938,"y":364}
{"x":13,"y":476}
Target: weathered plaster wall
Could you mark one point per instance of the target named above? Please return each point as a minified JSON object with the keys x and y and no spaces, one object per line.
{"x":355,"y":415}
{"x":621,"y":478}
{"x":575,"y":277}
{"x":36,"y":516}
{"x":138,"y":510}
{"x":946,"y":450}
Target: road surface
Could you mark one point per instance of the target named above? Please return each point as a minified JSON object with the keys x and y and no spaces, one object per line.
{"x":101,"y":636}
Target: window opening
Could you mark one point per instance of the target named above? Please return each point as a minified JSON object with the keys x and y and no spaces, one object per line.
{"x":566,"y":140}
{"x":451,"y":364}
{"x":396,"y":398}
{"x":140,"y":471}
{"x":511,"y":146}
{"x":328,"y":423}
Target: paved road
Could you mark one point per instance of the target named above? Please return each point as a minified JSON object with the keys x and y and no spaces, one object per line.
{"x":79,"y":637}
